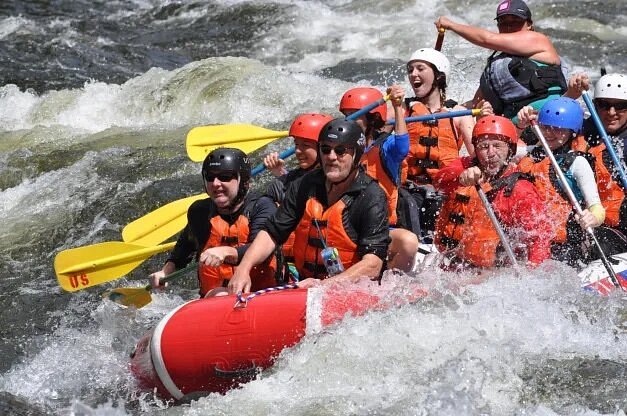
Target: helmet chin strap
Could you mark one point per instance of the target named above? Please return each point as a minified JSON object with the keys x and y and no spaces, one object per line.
{"x":241,"y":193}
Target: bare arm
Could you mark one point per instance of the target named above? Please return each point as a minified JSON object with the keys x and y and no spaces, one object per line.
{"x":397,"y":95}
{"x":525,"y":43}
{"x":577,"y":84}
{"x":260,"y":249}
{"x":369,"y":267}
{"x":464,"y":126}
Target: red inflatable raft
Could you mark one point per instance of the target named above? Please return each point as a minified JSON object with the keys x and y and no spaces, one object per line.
{"x":213,"y":345}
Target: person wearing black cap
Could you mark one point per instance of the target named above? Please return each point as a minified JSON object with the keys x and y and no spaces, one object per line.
{"x":527,"y":71}
{"x":339,"y":215}
{"x":220,"y":228}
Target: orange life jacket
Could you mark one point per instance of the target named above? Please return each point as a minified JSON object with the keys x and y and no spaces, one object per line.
{"x":288,"y":249}
{"x":235,"y":235}
{"x":373,"y":164}
{"x":546,"y":182}
{"x":464,"y":224}
{"x":432,"y":145}
{"x":308,"y":238}
{"x":610,"y":190}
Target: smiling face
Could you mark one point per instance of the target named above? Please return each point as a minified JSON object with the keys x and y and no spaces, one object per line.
{"x":613,"y":114}
{"x":421,"y":78}
{"x":556,"y":137}
{"x":222,"y":187}
{"x":493,"y":153}
{"x":306,"y":152}
{"x":336,"y":160}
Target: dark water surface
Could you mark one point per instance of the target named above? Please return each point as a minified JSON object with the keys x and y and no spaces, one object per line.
{"x":96,"y":98}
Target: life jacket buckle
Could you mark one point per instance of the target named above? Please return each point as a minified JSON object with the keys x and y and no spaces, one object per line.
{"x":428,"y":141}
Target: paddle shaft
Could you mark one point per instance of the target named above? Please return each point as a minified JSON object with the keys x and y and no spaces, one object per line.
{"x":367,"y":108}
{"x":573,"y":200}
{"x":283,"y":155}
{"x":440,"y":40}
{"x":438,"y":116}
{"x":606,"y":139}
{"x":497,"y":225}
{"x":176,"y":274}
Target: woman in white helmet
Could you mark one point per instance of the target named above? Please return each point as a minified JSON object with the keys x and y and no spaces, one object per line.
{"x":524,"y":69}
{"x":432,"y":145}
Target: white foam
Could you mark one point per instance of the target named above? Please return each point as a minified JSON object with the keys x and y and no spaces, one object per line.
{"x":459,"y":353}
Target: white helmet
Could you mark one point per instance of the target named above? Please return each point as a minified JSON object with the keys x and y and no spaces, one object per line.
{"x":611,"y":86}
{"x":435,"y":58}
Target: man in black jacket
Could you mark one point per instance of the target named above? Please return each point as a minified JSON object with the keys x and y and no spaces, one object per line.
{"x":339,"y":215}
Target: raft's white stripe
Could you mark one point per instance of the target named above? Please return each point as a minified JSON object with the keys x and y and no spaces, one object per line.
{"x":157,"y":358}
{"x":313,"y":316}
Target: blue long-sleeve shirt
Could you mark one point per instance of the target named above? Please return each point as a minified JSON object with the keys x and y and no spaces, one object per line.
{"x":393,"y":151}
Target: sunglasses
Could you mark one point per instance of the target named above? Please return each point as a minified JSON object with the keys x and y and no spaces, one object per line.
{"x":606,"y":105}
{"x":339,"y":150}
{"x":222,"y":176}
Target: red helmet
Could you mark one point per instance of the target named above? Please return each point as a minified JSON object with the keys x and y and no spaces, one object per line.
{"x":308,"y":126}
{"x":495,"y":125}
{"x":357,"y":98}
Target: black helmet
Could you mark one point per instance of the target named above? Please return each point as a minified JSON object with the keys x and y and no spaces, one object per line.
{"x":228,"y":159}
{"x":347,"y":132}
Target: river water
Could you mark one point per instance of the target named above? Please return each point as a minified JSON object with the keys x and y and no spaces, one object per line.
{"x":96,"y":98}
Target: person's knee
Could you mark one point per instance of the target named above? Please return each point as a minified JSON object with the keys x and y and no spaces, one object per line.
{"x":408,"y":241}
{"x":403,"y":249}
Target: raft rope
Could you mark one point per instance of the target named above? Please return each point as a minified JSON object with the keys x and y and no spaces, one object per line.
{"x":242,"y":301}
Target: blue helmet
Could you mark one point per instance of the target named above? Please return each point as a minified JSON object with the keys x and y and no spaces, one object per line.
{"x":562,"y":112}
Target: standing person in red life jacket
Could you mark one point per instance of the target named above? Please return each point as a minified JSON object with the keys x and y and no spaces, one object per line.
{"x":464,"y":229}
{"x":384,"y":160}
{"x":338,"y":212}
{"x":560,"y":120}
{"x":305,"y":130}
{"x":220,"y":228}
{"x":527,"y":71}
{"x":610,"y":102}
{"x":436,"y":144}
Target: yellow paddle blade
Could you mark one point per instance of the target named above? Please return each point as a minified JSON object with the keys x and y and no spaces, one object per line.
{"x":140,"y":296}
{"x":160,"y":224}
{"x":83,"y":267}
{"x":202,"y":140}
{"x":129,"y":296}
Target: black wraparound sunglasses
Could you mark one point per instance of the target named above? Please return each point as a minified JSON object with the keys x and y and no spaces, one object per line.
{"x":339,"y":150}
{"x":606,"y":105}
{"x":222,"y":176}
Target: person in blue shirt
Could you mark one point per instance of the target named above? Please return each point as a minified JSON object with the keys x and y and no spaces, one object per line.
{"x":384,"y":160}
